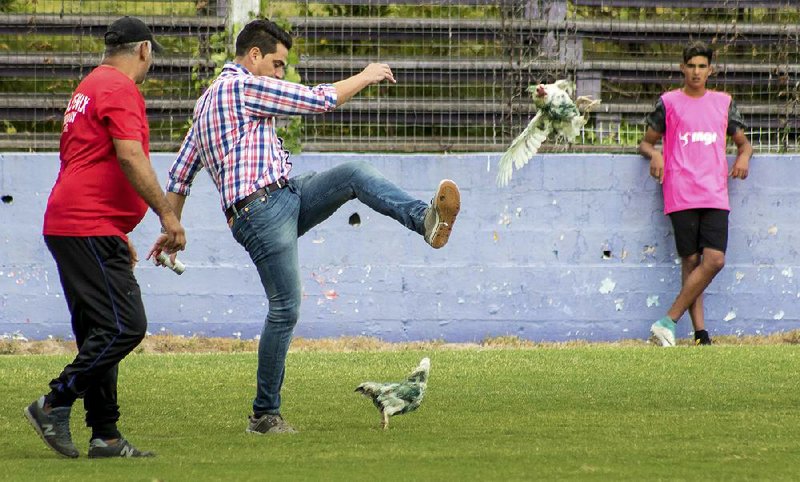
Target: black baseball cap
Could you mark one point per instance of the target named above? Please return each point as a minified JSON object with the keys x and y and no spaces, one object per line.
{"x":128,"y":30}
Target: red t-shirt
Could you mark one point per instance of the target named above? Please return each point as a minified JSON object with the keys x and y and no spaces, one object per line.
{"x":92,"y":196}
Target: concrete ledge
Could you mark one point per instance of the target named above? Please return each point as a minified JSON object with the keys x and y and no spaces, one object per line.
{"x":576,"y":248}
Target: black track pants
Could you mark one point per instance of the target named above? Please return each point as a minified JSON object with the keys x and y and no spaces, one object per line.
{"x":108,"y":320}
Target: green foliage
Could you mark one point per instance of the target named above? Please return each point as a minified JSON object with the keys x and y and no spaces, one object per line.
{"x":411,"y":11}
{"x":9,"y":128}
{"x":622,"y":134}
{"x":561,"y":413}
{"x":724,"y":13}
{"x":217,"y":48}
{"x":291,"y":131}
{"x":107,"y":7}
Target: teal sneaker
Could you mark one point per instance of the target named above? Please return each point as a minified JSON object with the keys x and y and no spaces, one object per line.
{"x":664,"y":331}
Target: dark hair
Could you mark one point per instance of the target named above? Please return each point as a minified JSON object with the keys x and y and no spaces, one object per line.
{"x":695,"y":49}
{"x":264,"y":34}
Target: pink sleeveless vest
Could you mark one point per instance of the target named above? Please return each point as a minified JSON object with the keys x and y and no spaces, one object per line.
{"x":695,"y":166}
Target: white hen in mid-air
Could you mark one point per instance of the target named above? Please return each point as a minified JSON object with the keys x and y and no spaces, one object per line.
{"x":555,"y":113}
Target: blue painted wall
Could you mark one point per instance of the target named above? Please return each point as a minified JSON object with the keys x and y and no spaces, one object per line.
{"x":576,"y":248}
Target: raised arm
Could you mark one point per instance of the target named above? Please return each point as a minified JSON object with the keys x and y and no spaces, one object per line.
{"x":372,"y":74}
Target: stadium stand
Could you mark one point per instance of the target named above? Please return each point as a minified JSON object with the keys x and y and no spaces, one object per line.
{"x":455,"y":99}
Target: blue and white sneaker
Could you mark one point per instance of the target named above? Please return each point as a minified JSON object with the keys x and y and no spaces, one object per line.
{"x":664,"y":331}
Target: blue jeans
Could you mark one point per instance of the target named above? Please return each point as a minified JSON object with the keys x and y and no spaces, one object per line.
{"x":269,"y":229}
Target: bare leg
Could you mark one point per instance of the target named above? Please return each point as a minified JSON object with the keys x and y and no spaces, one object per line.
{"x":696,"y":282}
{"x":385,"y":422}
{"x":689,"y":264}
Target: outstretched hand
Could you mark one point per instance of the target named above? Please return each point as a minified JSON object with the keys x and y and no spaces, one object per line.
{"x":377,"y":73}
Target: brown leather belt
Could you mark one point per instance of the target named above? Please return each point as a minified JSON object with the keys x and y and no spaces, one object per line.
{"x":264,"y":191}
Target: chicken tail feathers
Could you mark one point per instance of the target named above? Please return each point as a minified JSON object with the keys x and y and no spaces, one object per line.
{"x":370,"y":389}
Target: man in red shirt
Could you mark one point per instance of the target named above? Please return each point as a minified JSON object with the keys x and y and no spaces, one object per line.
{"x":102,"y":192}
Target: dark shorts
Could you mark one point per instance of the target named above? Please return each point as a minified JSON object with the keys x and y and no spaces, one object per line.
{"x":696,"y":229}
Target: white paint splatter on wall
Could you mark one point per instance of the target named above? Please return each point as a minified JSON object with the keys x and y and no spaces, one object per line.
{"x":16,"y":336}
{"x":731,"y":315}
{"x":778,"y":315}
{"x":652,"y":300}
{"x":505,"y":217}
{"x":607,"y":286}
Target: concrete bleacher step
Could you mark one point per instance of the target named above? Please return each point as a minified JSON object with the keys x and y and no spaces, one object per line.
{"x":96,"y":24}
{"x":48,"y":107}
{"x":356,"y":63}
{"x":429,"y":70}
{"x":466,"y":71}
{"x":699,"y":4}
{"x":49,"y":141}
{"x":636,"y":31}
{"x":28,"y":65}
{"x":424,"y":110}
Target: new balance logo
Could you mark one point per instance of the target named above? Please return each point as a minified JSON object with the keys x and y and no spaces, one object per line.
{"x":127,"y":451}
{"x":706,"y":138}
{"x":48,"y":430}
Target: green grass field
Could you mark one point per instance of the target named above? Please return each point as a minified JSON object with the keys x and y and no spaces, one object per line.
{"x":585,"y":413}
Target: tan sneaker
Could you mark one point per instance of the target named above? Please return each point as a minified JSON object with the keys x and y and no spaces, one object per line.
{"x":268,"y":423}
{"x":439,"y":218}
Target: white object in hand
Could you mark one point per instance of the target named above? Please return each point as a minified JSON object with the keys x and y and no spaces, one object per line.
{"x":178,"y":267}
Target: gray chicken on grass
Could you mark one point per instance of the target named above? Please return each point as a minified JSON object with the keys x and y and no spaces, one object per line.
{"x":398,"y":398}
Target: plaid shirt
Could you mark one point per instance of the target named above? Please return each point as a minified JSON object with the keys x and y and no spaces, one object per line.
{"x":233,"y":133}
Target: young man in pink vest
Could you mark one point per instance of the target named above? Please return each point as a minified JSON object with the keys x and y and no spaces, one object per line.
{"x":693,"y":123}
